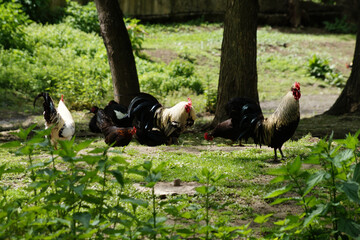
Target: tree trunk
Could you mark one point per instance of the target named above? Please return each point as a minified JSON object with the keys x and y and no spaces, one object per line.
{"x":294,"y":13}
{"x":349,"y":99}
{"x":238,"y":73}
{"x":119,"y":51}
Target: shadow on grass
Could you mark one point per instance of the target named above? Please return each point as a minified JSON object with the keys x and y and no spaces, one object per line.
{"x":322,"y":125}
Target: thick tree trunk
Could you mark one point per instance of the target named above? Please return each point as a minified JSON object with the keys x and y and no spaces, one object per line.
{"x":238,"y":73}
{"x":119,"y":51}
{"x":349,"y":99}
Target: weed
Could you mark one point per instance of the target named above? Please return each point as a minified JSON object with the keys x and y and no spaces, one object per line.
{"x":320,"y":68}
{"x":329,"y":193}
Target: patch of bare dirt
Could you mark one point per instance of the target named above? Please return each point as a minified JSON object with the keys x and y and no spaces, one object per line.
{"x":164,"y":55}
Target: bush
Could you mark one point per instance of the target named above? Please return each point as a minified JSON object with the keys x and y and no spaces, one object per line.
{"x":12,"y":21}
{"x":320,"y":68}
{"x":328,"y":192}
{"x":94,"y":196}
{"x":84,"y":17}
{"x":42,"y":11}
{"x":136,"y":33}
{"x":340,"y":26}
{"x":161,"y":79}
{"x":63,"y":60}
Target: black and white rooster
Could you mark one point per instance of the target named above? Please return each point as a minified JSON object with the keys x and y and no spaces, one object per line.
{"x":59,"y":119}
{"x":156,"y":124}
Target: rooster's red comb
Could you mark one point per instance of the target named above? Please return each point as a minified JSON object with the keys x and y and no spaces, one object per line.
{"x":188,"y":105}
{"x":297,"y":85}
{"x":208,"y":137}
{"x":62,"y":97}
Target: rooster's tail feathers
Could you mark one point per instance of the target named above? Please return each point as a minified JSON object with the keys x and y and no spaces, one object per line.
{"x":141,"y":98}
{"x":49,"y":107}
{"x":248,"y":121}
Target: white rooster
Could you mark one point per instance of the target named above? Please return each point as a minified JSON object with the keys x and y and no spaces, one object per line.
{"x":60,"y":119}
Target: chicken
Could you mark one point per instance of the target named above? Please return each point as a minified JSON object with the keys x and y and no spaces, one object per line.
{"x":114,"y":136}
{"x":225,"y":130}
{"x":93,"y":122}
{"x":275,"y":130}
{"x":229,"y":129}
{"x":115,"y":111}
{"x":149,"y":116}
{"x":60,"y":119}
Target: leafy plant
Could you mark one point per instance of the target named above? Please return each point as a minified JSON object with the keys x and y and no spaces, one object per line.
{"x":320,"y":68}
{"x":84,"y":17}
{"x":136,"y":33}
{"x":340,"y":25}
{"x":12,"y":22}
{"x":329,"y":195}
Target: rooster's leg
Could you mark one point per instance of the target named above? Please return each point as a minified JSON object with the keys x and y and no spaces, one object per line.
{"x":282,"y":155}
{"x":275,"y":155}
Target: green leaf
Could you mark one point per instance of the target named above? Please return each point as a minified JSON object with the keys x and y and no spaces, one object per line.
{"x":11,"y":144}
{"x":295,"y":166}
{"x":356,"y":176}
{"x":279,"y":191}
{"x":343,"y":156}
{"x":23,"y":134}
{"x":351,"y":189}
{"x":137,"y":202}
{"x":79,"y":190}
{"x":309,"y":219}
{"x":281,"y":200}
{"x":262,"y":218}
{"x":91,"y":159}
{"x":160,"y":167}
{"x":98,"y":150}
{"x":278,"y":179}
{"x":313,"y":180}
{"x":119,"y":177}
{"x":219,"y":177}
{"x":138,"y":172}
{"x":119,"y":160}
{"x":312,"y":159}
{"x":349,"y":227}
{"x":202,"y":189}
{"x":83,"y":145}
{"x":83,"y":217}
{"x":147,"y":165}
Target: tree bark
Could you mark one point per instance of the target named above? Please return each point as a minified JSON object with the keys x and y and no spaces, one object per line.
{"x":349,"y":99}
{"x":119,"y":51}
{"x":238,"y":73}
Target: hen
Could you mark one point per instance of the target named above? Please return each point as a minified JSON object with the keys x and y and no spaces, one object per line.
{"x":225,"y":130}
{"x":275,"y":130}
{"x":229,"y":129}
{"x":115,"y":111}
{"x":157,"y":124}
{"x":114,"y":136}
{"x":59,"y":119}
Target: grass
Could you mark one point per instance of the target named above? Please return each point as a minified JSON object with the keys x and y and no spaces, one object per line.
{"x":282,"y":59}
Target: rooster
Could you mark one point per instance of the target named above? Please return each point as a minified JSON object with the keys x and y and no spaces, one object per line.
{"x":114,"y":136}
{"x":275,"y":130}
{"x":150,"y":116}
{"x":115,"y":111}
{"x":59,"y":119}
{"x":229,"y":129}
{"x":225,"y":130}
